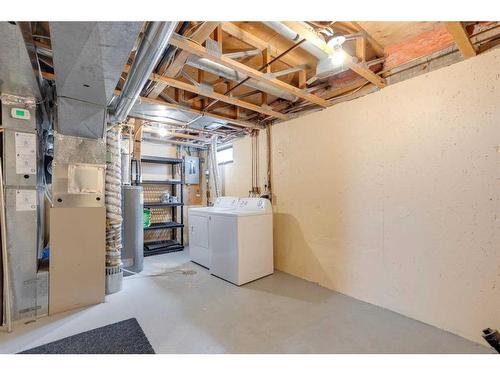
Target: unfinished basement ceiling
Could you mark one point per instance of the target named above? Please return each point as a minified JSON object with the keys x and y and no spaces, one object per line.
{"x":388,"y":33}
{"x":213,"y":75}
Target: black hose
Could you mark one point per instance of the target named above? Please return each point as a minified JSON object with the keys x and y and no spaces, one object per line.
{"x":493,"y":338}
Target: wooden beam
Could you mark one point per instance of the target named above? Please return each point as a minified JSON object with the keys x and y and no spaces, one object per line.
{"x":336,"y":91}
{"x":236,"y":109}
{"x":167,"y":81}
{"x":256,"y":42}
{"x":215,"y":95}
{"x":302,"y":79}
{"x":461,"y":37}
{"x":200,"y":35}
{"x":245,"y":124}
{"x":365,"y":72}
{"x":218,"y":35}
{"x":361,"y":49}
{"x":138,"y":127}
{"x":266,"y":58}
{"x":377,"y":47}
{"x":201,"y":78}
{"x":200,"y":51}
{"x":313,"y":38}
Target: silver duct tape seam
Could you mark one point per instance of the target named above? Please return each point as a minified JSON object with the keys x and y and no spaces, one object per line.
{"x":15,"y":100}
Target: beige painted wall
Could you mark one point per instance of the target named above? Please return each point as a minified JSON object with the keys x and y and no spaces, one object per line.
{"x":238,"y":174}
{"x":394,"y":198}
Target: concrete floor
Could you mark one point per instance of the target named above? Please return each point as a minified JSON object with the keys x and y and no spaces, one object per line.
{"x":186,"y":312}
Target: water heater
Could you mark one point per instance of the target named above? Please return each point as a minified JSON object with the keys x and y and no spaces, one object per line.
{"x":132,"y":228}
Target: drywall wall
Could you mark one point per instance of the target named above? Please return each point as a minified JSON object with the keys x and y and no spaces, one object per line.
{"x":394,"y":198}
{"x":237,"y":176}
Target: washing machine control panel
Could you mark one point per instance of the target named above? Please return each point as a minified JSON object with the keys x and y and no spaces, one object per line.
{"x":226,"y":202}
{"x":254,"y":204}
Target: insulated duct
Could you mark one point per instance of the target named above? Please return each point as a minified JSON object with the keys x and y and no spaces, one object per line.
{"x":114,"y":273}
{"x":150,"y":51}
{"x":294,"y":37}
{"x":228,"y":73}
{"x":326,"y":65}
{"x":212,"y":152}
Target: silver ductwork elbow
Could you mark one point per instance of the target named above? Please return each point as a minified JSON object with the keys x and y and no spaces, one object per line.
{"x":152,"y":46}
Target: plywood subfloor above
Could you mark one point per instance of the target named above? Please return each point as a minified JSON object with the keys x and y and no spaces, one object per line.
{"x":388,"y":33}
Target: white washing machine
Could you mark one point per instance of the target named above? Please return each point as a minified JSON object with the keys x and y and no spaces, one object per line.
{"x":199,"y":243}
{"x":241,"y":241}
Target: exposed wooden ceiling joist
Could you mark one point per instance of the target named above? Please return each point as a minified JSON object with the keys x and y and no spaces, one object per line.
{"x":461,"y":37}
{"x":172,"y":82}
{"x":245,"y":124}
{"x":336,"y":91}
{"x":200,"y":51}
{"x":377,"y":47}
{"x":312,"y":37}
{"x":200,"y":35}
{"x":217,"y":96}
{"x":256,"y":42}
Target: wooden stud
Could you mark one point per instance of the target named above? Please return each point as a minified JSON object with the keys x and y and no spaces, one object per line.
{"x":461,"y":37}
{"x":302,"y":79}
{"x":218,"y":36}
{"x":266,"y":58}
{"x":377,"y":47}
{"x":361,"y":49}
{"x":138,"y":127}
{"x":236,"y":109}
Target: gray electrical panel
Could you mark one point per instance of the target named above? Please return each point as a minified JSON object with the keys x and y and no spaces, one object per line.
{"x":192,"y":170}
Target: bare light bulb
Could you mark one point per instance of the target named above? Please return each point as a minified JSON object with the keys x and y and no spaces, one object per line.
{"x":162,"y":132}
{"x":338,"y":56}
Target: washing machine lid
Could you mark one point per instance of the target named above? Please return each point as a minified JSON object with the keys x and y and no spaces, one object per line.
{"x":220,"y":204}
{"x":249,"y":207}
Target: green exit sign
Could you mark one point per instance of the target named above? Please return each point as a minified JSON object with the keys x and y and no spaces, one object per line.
{"x":20,"y":113}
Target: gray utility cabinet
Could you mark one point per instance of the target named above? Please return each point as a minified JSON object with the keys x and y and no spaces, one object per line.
{"x":19,"y":158}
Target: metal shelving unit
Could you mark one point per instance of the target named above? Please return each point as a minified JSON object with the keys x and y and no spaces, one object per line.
{"x":175,"y":243}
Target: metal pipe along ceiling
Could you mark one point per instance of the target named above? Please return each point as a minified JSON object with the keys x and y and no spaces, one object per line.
{"x":228,"y":73}
{"x":151,"y":49}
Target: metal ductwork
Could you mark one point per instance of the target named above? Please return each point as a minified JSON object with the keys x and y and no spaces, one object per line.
{"x":151,"y":49}
{"x":88,"y":61}
{"x":16,"y":71}
{"x":228,"y":73}
{"x":293,"y":36}
{"x":326,"y":66}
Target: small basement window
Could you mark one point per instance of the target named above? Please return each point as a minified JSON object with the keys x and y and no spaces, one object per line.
{"x":225,"y":155}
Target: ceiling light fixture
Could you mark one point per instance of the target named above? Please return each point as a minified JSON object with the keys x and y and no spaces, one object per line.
{"x":337,"y":56}
{"x":162,"y":132}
